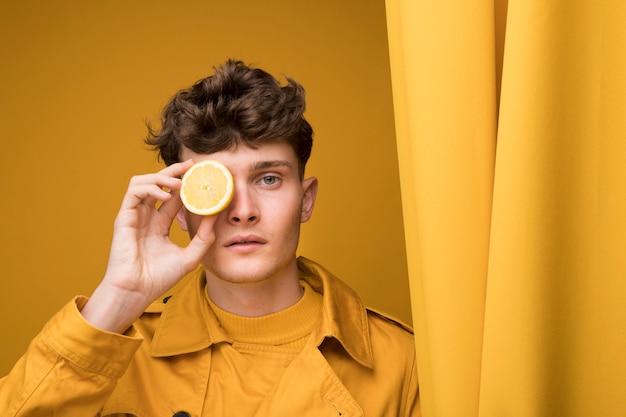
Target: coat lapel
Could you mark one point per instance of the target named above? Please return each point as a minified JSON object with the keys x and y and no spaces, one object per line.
{"x":309,"y":387}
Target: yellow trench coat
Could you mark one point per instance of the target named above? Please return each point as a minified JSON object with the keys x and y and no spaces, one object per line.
{"x":362,"y":364}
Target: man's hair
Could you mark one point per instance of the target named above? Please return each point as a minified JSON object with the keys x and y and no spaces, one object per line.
{"x":236,"y":105}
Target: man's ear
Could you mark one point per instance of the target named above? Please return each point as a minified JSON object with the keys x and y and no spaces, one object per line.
{"x":309,"y":188}
{"x":182,"y":219}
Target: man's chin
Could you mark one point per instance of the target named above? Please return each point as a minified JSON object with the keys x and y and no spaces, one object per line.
{"x":242,"y":272}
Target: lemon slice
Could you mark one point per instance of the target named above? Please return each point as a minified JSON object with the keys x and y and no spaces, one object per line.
{"x":207,"y":188}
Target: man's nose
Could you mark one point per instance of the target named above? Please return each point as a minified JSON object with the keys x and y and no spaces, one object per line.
{"x":243,"y":208}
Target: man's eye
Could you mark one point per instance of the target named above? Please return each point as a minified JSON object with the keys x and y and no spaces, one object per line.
{"x":269,"y":180}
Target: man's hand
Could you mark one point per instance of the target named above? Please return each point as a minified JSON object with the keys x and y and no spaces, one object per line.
{"x":144,"y":262}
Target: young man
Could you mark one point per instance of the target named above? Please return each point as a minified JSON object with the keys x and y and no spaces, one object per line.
{"x":255,"y":331}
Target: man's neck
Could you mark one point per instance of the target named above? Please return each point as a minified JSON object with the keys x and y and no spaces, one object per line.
{"x":255,"y":299}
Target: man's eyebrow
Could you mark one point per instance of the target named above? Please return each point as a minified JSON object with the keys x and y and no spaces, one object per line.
{"x":260,"y":165}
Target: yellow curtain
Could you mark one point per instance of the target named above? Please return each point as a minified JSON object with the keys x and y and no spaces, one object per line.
{"x":511,"y":130}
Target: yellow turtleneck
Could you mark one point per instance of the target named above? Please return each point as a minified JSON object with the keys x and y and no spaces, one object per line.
{"x":244,"y":372}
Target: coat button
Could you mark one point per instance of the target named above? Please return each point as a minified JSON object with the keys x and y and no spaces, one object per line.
{"x":181,"y":414}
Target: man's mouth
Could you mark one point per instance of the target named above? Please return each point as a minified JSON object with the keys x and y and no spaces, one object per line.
{"x":244,"y":241}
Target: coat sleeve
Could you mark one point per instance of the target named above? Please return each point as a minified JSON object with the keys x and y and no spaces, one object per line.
{"x":69,"y":369}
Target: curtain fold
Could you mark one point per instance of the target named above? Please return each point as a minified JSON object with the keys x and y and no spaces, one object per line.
{"x":514,"y":199}
{"x":443,"y":76}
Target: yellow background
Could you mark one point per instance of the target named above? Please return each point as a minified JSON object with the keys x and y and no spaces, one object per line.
{"x":79,"y":80}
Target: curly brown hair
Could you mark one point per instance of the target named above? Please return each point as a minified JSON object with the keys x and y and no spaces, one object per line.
{"x":236,"y":105}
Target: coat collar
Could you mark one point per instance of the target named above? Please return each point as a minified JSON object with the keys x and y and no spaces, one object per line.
{"x":187,"y":323}
{"x":344,"y":317}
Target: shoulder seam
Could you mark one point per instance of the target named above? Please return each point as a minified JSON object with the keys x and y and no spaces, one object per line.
{"x":390,"y":319}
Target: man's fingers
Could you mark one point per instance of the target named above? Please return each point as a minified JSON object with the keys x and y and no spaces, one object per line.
{"x":177,"y":169}
{"x":202,"y":240}
{"x":148,"y":194}
{"x":158,"y":179}
{"x":150,"y":188}
{"x":171,"y":207}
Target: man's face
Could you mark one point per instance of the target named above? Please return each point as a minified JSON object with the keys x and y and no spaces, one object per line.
{"x":256,"y":236}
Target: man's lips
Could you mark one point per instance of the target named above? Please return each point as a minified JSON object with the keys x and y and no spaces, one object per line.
{"x":244,"y":240}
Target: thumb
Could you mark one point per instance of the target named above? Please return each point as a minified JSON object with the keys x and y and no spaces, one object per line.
{"x":202,"y":240}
